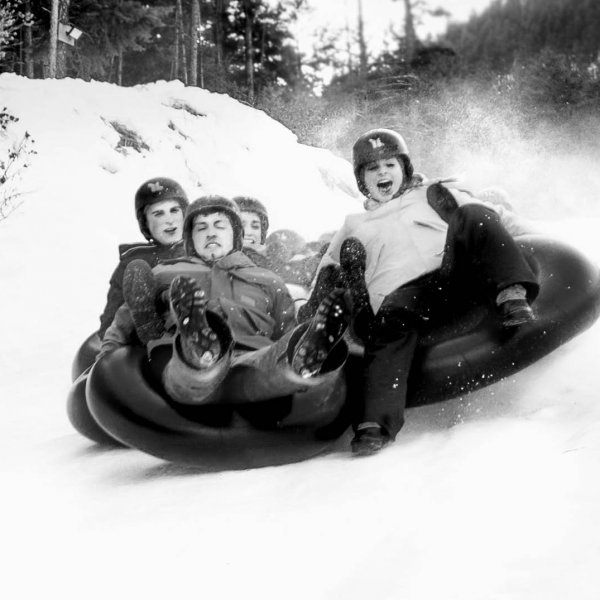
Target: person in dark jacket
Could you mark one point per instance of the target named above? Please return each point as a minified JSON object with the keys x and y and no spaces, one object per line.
{"x":160,"y":205}
{"x":231,"y":323}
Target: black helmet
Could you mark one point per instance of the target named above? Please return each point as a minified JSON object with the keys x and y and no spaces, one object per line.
{"x":156,"y":190}
{"x":248,"y":204}
{"x":207,"y":205}
{"x":292,"y":241}
{"x":379,"y":144}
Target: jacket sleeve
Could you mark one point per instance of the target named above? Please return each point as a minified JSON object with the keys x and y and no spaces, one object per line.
{"x":120,"y":333}
{"x":114,"y":299}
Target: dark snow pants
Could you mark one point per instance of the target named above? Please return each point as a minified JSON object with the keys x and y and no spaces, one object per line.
{"x":480,"y":259}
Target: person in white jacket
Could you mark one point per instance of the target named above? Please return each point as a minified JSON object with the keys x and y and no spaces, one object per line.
{"x":419,"y":251}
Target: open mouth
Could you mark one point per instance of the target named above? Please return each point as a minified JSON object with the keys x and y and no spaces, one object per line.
{"x":385,"y":187}
{"x":170,"y":230}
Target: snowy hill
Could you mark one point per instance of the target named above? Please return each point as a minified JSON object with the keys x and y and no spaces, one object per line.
{"x":490,"y":496}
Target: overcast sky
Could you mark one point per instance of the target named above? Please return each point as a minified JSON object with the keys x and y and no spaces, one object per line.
{"x":379,"y":16}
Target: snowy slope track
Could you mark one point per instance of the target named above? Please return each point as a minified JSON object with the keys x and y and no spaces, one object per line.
{"x":493,"y":495}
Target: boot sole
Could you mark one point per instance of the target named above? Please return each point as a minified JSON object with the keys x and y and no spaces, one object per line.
{"x":189,"y":310}
{"x":353,"y":260}
{"x":324,"y":332}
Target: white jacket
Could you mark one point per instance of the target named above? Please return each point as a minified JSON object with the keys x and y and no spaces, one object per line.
{"x":404,"y":239}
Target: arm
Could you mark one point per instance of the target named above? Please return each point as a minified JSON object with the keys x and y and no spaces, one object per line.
{"x":114,"y":299}
{"x":120,"y":333}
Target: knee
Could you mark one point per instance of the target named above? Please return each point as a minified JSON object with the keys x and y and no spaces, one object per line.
{"x":476,"y":214}
{"x":471,"y":221}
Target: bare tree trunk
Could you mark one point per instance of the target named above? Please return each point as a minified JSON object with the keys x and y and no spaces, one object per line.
{"x":263,"y":44}
{"x":409,"y":32}
{"x":120,"y":68}
{"x":28,"y":50}
{"x":181,"y":44}
{"x":350,"y":64}
{"x":201,"y":45}
{"x":219,"y":36}
{"x":175,"y":64}
{"x":362,"y":45}
{"x":62,"y":49}
{"x":249,"y":47}
{"x":194,"y":33}
{"x":53,"y":42}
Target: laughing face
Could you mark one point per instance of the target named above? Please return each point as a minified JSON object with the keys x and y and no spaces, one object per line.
{"x":383,"y":178}
{"x":165,"y":221}
{"x":212,"y":236}
{"x":252,"y":230}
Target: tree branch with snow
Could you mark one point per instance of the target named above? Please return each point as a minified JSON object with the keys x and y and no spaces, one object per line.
{"x":15,"y":156}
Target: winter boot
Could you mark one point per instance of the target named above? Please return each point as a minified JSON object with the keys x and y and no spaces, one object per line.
{"x":200,"y":345}
{"x":140,"y":293}
{"x":514,"y":313}
{"x":324,"y":332}
{"x":327,"y":281}
{"x":369,"y":439}
{"x":512,"y":307}
{"x":353,"y":261}
{"x":442,"y":201}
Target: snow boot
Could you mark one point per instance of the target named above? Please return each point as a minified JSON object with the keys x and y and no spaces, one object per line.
{"x":353,"y":259}
{"x":369,"y":439}
{"x":327,"y":281}
{"x":200,"y":345}
{"x":140,"y":294}
{"x":514,"y":313}
{"x":353,"y":262}
{"x":512,"y":306}
{"x":442,"y":201}
{"x":324,"y":332}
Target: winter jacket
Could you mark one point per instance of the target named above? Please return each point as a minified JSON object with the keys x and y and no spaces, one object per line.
{"x":152,"y":254}
{"x":254,"y":301}
{"x":404,"y":239}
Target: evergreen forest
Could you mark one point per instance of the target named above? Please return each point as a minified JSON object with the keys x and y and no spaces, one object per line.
{"x":537,"y":59}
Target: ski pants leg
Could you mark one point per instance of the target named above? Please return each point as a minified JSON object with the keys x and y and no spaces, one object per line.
{"x":480,"y":251}
{"x":388,"y":356}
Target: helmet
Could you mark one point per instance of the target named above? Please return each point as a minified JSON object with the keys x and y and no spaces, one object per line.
{"x":253,"y":205}
{"x":290,"y":240}
{"x":377,"y":144}
{"x":207,"y":205}
{"x":156,"y":190}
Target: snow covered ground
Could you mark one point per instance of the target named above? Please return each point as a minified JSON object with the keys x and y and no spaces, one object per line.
{"x":491,"y":496}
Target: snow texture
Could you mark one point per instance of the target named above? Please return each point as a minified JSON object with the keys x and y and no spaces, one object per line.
{"x":490,"y":496}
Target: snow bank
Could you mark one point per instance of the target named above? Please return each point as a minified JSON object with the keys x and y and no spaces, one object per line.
{"x":494,"y":495}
